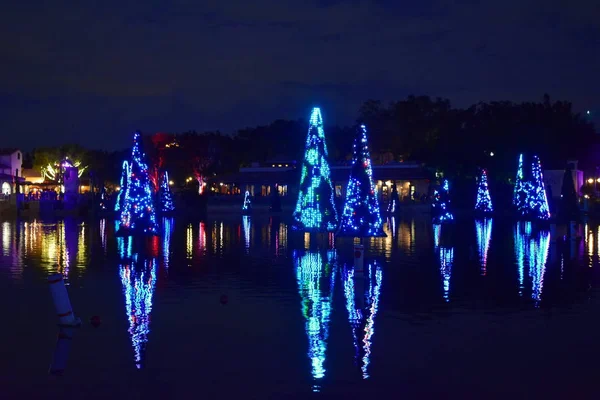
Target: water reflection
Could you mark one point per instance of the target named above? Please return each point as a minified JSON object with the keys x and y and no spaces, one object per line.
{"x":167,"y":227}
{"x":446,"y":257}
{"x":316,"y":280}
{"x":247,"y":232}
{"x":531,"y":247}
{"x":138,"y":278}
{"x":483,"y":229}
{"x":361,"y":313}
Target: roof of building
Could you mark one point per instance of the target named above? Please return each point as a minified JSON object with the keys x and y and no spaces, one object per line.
{"x":8,"y":151}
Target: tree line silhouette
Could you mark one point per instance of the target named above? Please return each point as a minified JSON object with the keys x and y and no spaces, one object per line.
{"x":457,"y":141}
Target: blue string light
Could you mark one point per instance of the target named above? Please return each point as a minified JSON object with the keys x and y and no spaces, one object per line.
{"x":315,"y":209}
{"x":125,"y":173}
{"x":440,"y":208}
{"x":483,"y":202}
{"x":247,"y":206}
{"x":361,"y":216}
{"x":138,"y":214}
{"x":166,"y":197}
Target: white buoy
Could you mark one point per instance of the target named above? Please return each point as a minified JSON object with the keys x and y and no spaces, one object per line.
{"x":359,"y":258}
{"x":61,"y":351}
{"x":553,"y":236}
{"x":62,"y":304}
{"x":573,"y":230}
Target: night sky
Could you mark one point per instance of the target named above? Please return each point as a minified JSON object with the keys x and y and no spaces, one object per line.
{"x":92,"y":73}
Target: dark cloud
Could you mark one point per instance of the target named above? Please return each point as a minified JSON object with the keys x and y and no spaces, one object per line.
{"x":93,"y":72}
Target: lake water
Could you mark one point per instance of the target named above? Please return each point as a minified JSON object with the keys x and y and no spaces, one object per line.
{"x":245,"y":307}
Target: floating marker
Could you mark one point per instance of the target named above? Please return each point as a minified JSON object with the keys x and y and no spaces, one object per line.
{"x":62,"y":304}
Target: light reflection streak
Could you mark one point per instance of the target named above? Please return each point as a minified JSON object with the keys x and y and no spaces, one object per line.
{"x":483,"y":228}
{"x":138,"y":278}
{"x":103,"y":234}
{"x":316,"y":286}
{"x":532,"y":248}
{"x":167,"y":225}
{"x":446,"y":257}
{"x":246,"y":223}
{"x":189,"y":243}
{"x":6,"y":238}
{"x":357,"y":310}
{"x":202,"y":237}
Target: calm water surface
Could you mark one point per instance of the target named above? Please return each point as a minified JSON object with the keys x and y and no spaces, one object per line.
{"x":247,"y":307}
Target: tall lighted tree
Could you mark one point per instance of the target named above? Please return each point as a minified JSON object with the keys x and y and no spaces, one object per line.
{"x":521,"y":191}
{"x":361,"y":216}
{"x":138,"y":215}
{"x":538,"y":202}
{"x":315,"y":209}
{"x":440,"y":207}
{"x":125,"y":172}
{"x":165,"y":194}
{"x":483,"y":203}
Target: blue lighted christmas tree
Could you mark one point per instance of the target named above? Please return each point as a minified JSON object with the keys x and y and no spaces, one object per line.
{"x":440,"y":208}
{"x":166,"y":197}
{"x":315,"y":209}
{"x":538,"y":202}
{"x":125,"y":172}
{"x":137,"y":214}
{"x":361,"y":216}
{"x":483,"y":203}
{"x":530,"y":199}
{"x":521,"y":190}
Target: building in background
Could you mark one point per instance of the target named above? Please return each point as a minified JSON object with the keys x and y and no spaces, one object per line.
{"x":11,"y":162}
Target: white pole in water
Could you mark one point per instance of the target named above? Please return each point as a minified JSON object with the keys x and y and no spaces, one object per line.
{"x":359,"y":258}
{"x":60,"y":296}
{"x":61,"y":351}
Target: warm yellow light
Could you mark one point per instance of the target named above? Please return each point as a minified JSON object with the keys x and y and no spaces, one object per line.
{"x":118,"y":188}
{"x":171,"y":183}
{"x":586,"y":196}
{"x":590,"y":180}
{"x":598,"y":180}
{"x":221,"y":184}
{"x":388,"y":183}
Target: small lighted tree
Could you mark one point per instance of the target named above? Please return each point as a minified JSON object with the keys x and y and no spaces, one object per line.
{"x":315,"y":209}
{"x":483,"y":203}
{"x":165,"y":194}
{"x":361,"y":216}
{"x":440,"y":208}
{"x":247,"y":206}
{"x":125,"y":173}
{"x":394,"y":204}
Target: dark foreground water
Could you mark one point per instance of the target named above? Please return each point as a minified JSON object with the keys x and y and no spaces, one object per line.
{"x":247,"y":308}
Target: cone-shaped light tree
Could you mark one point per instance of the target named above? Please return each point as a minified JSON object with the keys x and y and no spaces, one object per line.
{"x":315,"y":209}
{"x":483,"y":203}
{"x":125,"y":172}
{"x":538,"y":202}
{"x":138,"y":215}
{"x":440,"y":208}
{"x":165,"y":195}
{"x":361,"y":216}
{"x":521,"y":191}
